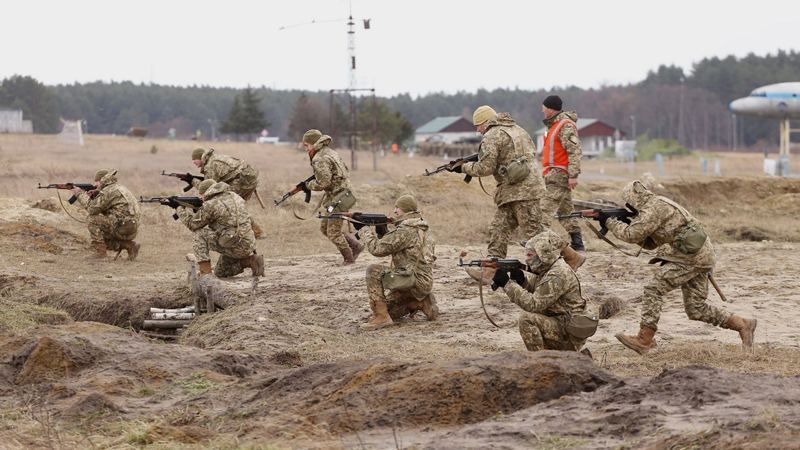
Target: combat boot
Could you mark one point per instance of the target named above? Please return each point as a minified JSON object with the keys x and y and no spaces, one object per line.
{"x":257,"y":265}
{"x":347,"y":254}
{"x":100,"y":250}
{"x":380,"y":317}
{"x":429,"y":307}
{"x":642,"y":343}
{"x":355,"y":246}
{"x":576,"y":241}
{"x":475,"y":274}
{"x":572,"y":258}
{"x":745,"y":327}
{"x":132,"y":247}
{"x":205,"y":268}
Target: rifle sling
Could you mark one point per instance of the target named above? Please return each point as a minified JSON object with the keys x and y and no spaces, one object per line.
{"x":484,"y":189}
{"x":600,"y":235}
{"x":316,"y":208}
{"x":61,"y":202}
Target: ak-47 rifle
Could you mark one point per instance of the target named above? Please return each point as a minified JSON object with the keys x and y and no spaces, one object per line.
{"x":603,"y":214}
{"x":185,"y":177}
{"x":494,"y":263}
{"x":452,"y":165}
{"x":174,"y":202}
{"x":88,"y":187}
{"x":359,"y":219}
{"x":301,"y":186}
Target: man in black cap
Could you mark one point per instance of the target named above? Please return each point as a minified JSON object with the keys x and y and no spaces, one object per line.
{"x":561,"y":164}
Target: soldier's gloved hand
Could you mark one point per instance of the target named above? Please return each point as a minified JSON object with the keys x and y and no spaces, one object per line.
{"x":500,"y":279}
{"x":457,"y":168}
{"x":518,"y":276}
{"x":381,"y":229}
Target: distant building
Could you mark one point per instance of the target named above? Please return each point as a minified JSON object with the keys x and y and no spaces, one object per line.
{"x":11,"y":122}
{"x":446,"y":130}
{"x":596,"y":136}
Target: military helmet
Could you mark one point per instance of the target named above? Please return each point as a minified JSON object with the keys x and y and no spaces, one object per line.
{"x":204,"y":185}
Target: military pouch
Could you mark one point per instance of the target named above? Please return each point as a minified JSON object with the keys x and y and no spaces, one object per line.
{"x":227,"y":239}
{"x":125,"y":228}
{"x":690,"y":239}
{"x":516,"y":171}
{"x":581,"y":326}
{"x":398,"y":279}
{"x":341,"y":202}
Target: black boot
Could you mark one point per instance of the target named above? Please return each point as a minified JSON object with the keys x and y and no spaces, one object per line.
{"x":577,"y":241}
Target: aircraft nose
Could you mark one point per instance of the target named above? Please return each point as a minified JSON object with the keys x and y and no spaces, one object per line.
{"x":743,"y":105}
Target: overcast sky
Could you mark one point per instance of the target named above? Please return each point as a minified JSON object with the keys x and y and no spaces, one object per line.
{"x":414,"y":46}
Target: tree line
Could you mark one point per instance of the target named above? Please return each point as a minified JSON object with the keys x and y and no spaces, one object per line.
{"x":669,"y":103}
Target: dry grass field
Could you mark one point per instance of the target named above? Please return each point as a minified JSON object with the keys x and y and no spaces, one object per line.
{"x":89,"y":385}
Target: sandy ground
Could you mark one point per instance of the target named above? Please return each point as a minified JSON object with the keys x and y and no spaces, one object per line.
{"x":306,"y":312}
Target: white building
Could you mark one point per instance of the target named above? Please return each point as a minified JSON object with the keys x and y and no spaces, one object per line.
{"x":11,"y":122}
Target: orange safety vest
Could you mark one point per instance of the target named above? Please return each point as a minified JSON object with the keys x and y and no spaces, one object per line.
{"x":554,"y":155}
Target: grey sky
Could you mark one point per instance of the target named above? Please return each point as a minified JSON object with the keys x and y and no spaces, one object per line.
{"x":414,"y":46}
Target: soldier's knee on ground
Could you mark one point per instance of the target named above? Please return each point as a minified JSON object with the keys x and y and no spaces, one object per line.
{"x":530,"y":332}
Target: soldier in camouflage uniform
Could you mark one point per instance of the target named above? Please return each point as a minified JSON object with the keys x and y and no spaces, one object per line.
{"x":561,"y":164}
{"x":332,"y":177}
{"x":507,"y":152}
{"x":550,"y":295}
{"x":222,"y":224}
{"x":239,"y":175}
{"x":686,"y":258}
{"x":113,"y":215}
{"x":411,"y":247}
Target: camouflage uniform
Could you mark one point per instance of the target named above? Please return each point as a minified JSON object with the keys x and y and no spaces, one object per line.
{"x":239,"y":175}
{"x":405,"y":245}
{"x":517,"y":204}
{"x":549,"y":298}
{"x":114,"y":213}
{"x":659,"y":223}
{"x":558,"y":199}
{"x":222,"y":224}
{"x":331,"y":176}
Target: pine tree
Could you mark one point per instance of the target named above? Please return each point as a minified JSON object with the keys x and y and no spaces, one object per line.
{"x":245,"y":116}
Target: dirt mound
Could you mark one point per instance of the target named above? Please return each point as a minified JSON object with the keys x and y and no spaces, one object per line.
{"x":745,"y":192}
{"x":46,"y":359}
{"x":47,"y":204}
{"x":687,"y":405}
{"x":40,"y":238}
{"x":362,"y":395}
{"x":749,"y":233}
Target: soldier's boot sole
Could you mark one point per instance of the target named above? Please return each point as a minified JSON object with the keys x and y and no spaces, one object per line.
{"x":430,"y":308}
{"x":133,"y":250}
{"x":257,"y":265}
{"x":377,"y":322}
{"x":204,"y":268}
{"x":475,"y":274}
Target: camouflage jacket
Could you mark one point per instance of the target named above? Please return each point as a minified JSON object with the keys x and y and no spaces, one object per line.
{"x":405,"y":245}
{"x":658,"y":225}
{"x":330,"y":172}
{"x":225,"y":213}
{"x":227,"y":169}
{"x":555,"y":293}
{"x":568,"y":135}
{"x":113,"y":200}
{"x":504,"y":142}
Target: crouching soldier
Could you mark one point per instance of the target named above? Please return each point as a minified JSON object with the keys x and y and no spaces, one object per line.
{"x":113,"y":215}
{"x":686,"y":259}
{"x":239,"y":175}
{"x":555,"y":316}
{"x":409,"y":279}
{"x":222,"y":224}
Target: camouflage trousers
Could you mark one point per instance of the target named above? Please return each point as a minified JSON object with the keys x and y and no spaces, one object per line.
{"x":540,"y":332}
{"x":206,"y":240}
{"x":521,"y":214}
{"x":694,"y":284}
{"x":246,"y":193}
{"x":400,"y":303}
{"x":558,"y":200}
{"x":334,"y":230}
{"x":112,"y":230}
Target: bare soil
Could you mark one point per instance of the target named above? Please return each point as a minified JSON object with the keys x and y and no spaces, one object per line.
{"x":288,"y":366}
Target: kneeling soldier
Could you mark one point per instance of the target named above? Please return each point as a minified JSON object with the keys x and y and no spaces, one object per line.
{"x":113,"y":215}
{"x":410,"y":277}
{"x":222,"y":224}
{"x":555,"y":314}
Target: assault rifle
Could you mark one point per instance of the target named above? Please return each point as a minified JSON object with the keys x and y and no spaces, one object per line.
{"x":494,"y":263}
{"x":88,"y":187}
{"x":185,"y":177}
{"x":174,"y":202}
{"x":603,"y":214}
{"x":379,"y":221}
{"x":452,"y":165}
{"x":301,"y":186}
